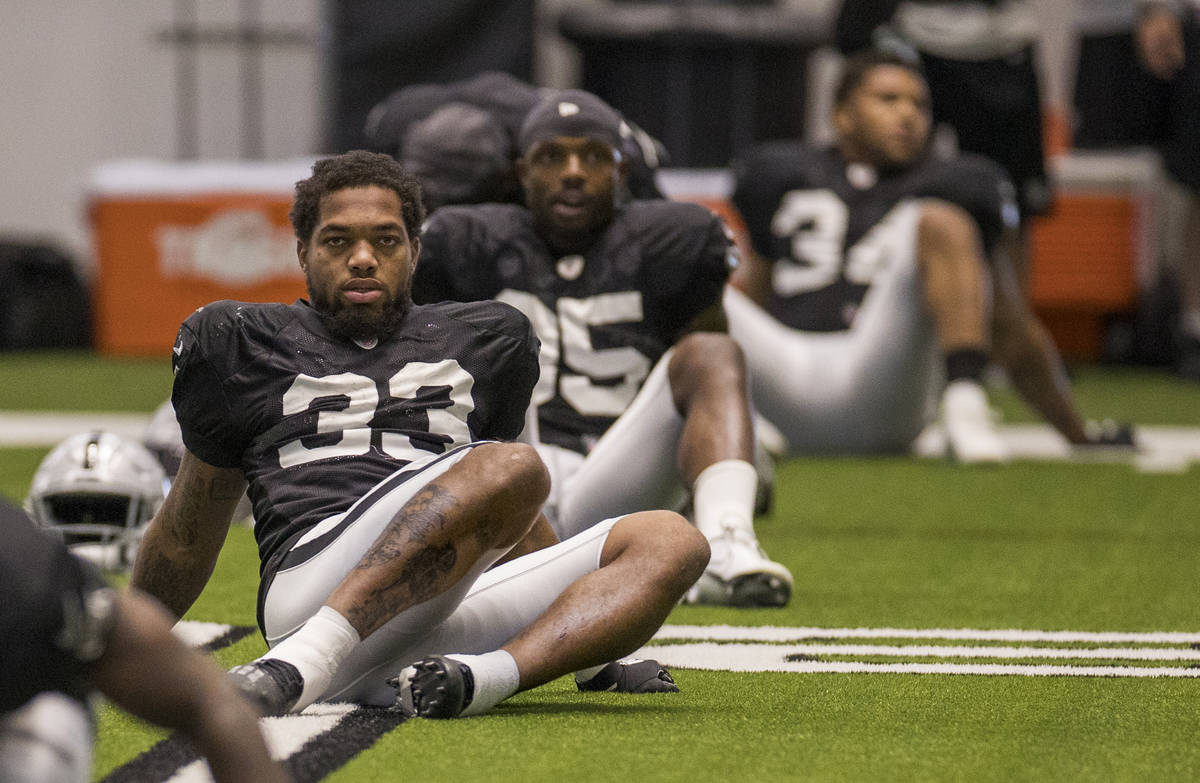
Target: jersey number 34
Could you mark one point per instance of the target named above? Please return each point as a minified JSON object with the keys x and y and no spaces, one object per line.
{"x":814,"y":223}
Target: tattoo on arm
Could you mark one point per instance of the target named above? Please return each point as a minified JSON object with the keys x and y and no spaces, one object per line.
{"x":180,"y":548}
{"x":156,"y":576}
{"x":195,"y":510}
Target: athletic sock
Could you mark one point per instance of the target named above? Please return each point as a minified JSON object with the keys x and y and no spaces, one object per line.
{"x":496,"y":678}
{"x":317,"y":649}
{"x":966,"y":363}
{"x":723,"y":497}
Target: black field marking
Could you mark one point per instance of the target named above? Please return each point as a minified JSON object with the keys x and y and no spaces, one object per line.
{"x":161,"y":762}
{"x":324,"y":753}
{"x":321,"y":755}
{"x":235,"y":634}
{"x":353,"y":734}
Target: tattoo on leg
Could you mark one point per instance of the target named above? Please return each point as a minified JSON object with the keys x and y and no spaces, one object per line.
{"x":486,"y":531}
{"x":416,"y":554}
{"x":420,"y":579}
{"x":418,"y":522}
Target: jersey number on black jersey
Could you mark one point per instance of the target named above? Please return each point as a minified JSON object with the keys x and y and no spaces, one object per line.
{"x":349,"y":425}
{"x":814,"y":223}
{"x":605,"y":380}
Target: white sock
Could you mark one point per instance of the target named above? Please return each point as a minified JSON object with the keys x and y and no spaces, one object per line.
{"x":1189,"y":323}
{"x":496,"y":678}
{"x":723,"y":497}
{"x":317,"y":650}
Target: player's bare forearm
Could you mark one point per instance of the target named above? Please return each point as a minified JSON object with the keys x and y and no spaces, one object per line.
{"x":150,"y":673}
{"x":177,"y":555}
{"x":1029,"y":356}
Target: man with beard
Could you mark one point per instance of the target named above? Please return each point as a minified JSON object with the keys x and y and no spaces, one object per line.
{"x":641,"y":399}
{"x":871,"y":258}
{"x":374,"y":439}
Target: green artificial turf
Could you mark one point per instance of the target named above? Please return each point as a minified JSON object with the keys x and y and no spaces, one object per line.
{"x":82,"y":381}
{"x":888,"y":542}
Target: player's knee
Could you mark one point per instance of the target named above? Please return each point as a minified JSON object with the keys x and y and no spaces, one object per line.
{"x":674,"y":552}
{"x":944,"y":223}
{"x":515,"y":470}
{"x":707,"y":356}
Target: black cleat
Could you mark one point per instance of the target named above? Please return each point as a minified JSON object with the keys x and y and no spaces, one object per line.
{"x":273,"y":686}
{"x":631,"y":676}
{"x":434,"y":687}
{"x":759,"y":590}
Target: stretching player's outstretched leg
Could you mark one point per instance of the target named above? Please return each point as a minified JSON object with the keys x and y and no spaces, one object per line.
{"x":958,"y":295}
{"x":647,"y":561}
{"x":707,"y":373}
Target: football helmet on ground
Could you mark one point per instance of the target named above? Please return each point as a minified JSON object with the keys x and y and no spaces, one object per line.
{"x":98,"y":492}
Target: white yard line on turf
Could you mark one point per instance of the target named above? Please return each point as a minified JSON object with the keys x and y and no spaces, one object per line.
{"x":987,"y":651}
{"x":284,"y":736}
{"x":770,"y":633}
{"x":774,"y":658}
{"x":1162,"y":449}
{"x":776,"y":649}
{"x":21,"y":428}
{"x":195,"y":633}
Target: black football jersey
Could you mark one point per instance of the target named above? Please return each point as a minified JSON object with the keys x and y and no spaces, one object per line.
{"x":315,"y":420}
{"x":604,"y":317}
{"x":56,"y":613}
{"x":822,"y":224}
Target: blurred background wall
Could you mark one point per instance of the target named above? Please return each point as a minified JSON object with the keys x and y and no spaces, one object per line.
{"x":90,"y":82}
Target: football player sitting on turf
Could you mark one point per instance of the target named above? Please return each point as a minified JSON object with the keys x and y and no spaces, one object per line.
{"x":870,"y":258}
{"x":636,"y":405}
{"x":374,"y":437}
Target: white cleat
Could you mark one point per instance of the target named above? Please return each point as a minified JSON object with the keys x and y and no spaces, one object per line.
{"x":740,"y":574}
{"x":971,"y":436}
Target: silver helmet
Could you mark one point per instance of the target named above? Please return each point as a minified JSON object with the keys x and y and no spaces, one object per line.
{"x":98,"y":492}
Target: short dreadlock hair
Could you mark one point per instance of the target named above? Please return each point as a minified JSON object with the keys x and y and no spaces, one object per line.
{"x":355,"y":169}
